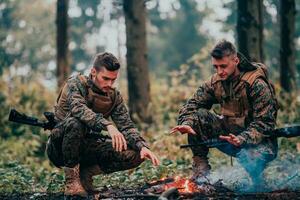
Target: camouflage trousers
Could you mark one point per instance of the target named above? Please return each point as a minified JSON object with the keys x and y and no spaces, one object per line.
{"x":70,"y":144}
{"x":254,"y":158}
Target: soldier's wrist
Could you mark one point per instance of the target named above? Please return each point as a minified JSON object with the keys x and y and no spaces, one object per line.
{"x":109,"y":126}
{"x":141,"y":144}
{"x":241,"y":139}
{"x":105,"y":122}
{"x":187,"y":123}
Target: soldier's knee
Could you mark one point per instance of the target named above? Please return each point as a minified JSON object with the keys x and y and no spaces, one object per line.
{"x":203,"y":119}
{"x":121,"y":161}
{"x":202,"y":114}
{"x":73,"y":123}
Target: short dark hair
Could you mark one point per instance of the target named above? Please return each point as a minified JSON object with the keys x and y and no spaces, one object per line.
{"x":107,"y":60}
{"x":222,"y":49}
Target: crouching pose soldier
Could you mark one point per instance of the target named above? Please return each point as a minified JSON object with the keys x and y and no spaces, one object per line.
{"x":83,"y":107}
{"x":248,"y":111}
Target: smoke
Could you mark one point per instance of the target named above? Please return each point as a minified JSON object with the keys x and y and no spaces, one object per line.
{"x":243,"y":176}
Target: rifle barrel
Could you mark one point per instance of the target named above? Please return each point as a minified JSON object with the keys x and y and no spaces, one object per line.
{"x":287,"y":132}
{"x":15,"y":116}
{"x":209,"y":143}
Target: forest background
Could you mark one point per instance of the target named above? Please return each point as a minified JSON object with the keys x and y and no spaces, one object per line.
{"x":179,"y":36}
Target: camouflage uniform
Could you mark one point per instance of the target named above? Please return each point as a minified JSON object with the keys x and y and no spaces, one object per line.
{"x":248,"y":116}
{"x":72,"y":141}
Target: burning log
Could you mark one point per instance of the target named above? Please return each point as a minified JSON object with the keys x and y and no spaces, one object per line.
{"x":185,"y":187}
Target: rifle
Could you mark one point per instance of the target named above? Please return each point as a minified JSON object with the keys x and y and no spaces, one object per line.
{"x":15,"y":116}
{"x":287,"y":132}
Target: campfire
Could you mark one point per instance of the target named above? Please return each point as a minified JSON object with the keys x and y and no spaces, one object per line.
{"x":183,"y":188}
{"x":183,"y":185}
{"x":169,"y":188}
{"x":179,"y":187}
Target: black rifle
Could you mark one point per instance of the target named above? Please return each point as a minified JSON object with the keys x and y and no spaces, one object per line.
{"x":287,"y":132}
{"x":15,"y":116}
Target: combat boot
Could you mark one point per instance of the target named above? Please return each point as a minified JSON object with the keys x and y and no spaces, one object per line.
{"x":86,"y":177}
{"x":73,"y":185}
{"x":201,"y":170}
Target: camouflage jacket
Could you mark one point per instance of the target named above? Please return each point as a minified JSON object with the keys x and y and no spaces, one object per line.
{"x":263,"y":112}
{"x":77,"y":107}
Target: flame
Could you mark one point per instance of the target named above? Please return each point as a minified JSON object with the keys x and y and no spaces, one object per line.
{"x":186,"y":186}
{"x":183,"y":185}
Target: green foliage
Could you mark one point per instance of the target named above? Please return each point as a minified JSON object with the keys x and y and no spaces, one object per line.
{"x":289,"y":111}
{"x":28,"y":96}
{"x":22,"y":171}
{"x":289,"y":114}
{"x":15,"y":177}
{"x":176,"y":36}
{"x":144,"y":173}
{"x":55,"y":182}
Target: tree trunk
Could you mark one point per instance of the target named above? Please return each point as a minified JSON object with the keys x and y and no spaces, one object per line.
{"x":137,"y":66}
{"x":63,"y":66}
{"x":287,"y":44}
{"x":250,"y":29}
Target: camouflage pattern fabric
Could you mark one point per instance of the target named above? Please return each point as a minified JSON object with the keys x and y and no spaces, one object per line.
{"x":262,"y":116}
{"x":69,"y":144}
{"x":257,"y":149}
{"x":78,"y":108}
{"x":88,"y":151}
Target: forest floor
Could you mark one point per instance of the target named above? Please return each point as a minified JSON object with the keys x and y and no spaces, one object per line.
{"x":275,"y":195}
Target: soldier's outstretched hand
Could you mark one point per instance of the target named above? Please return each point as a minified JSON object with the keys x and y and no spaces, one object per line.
{"x":232,"y":139}
{"x":118,"y":141}
{"x":183,"y":129}
{"x":146,"y":153}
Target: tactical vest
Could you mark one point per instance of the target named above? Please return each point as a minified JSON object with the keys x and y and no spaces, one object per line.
{"x":96,"y":102}
{"x":236,"y":107}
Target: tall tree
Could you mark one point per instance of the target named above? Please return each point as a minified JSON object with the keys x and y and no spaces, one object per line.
{"x":250,"y":29}
{"x":62,"y":59}
{"x":137,"y":66}
{"x":287,"y":44}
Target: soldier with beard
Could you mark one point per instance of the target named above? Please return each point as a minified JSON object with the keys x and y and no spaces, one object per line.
{"x":83,"y":107}
{"x":248,"y":110}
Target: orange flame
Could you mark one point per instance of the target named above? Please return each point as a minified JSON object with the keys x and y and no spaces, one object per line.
{"x":183,"y":185}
